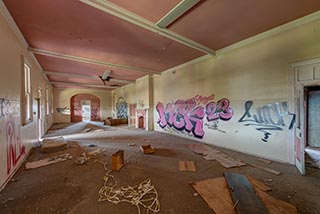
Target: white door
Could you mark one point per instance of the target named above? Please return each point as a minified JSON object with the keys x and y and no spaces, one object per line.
{"x":86,"y":110}
{"x":300,"y":129}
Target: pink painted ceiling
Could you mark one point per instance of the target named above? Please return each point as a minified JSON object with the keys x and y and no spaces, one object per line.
{"x":74,"y":28}
{"x":151,"y":10}
{"x":220,"y":23}
{"x":67,"y":66}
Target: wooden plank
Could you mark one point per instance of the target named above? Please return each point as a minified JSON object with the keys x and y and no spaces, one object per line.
{"x":54,"y":144}
{"x":265,"y":169}
{"x":198,"y":148}
{"x":244,"y":195}
{"x":264,"y":161}
{"x":258,"y":184}
{"x":190,"y":166}
{"x":182,"y":166}
{"x":215,"y":193}
{"x":276,"y":206}
{"x":187,"y":166}
{"x":47,"y":161}
{"x":117,"y":160}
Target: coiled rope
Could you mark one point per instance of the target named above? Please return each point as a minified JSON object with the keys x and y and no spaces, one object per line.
{"x":142,"y":195}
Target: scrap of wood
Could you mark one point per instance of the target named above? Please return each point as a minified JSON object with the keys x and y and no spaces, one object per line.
{"x":258,"y":184}
{"x":117,"y":160}
{"x":187,"y":166}
{"x":198,"y":148}
{"x":264,"y":161}
{"x":216,"y":194}
{"x":274,"y":205}
{"x":147,"y":149}
{"x":265,"y":169}
{"x":224,"y":160}
{"x":54,"y":144}
{"x":243,"y":193}
{"x":48,"y":161}
{"x":96,"y":151}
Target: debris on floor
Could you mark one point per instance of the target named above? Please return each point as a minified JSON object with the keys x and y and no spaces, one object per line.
{"x":117,"y":160}
{"x":96,"y":151}
{"x":54,"y":144}
{"x":217,"y":195}
{"x":187,"y":166}
{"x":275,"y":172}
{"x":264,"y":161}
{"x":82,"y":159}
{"x":243,"y":195}
{"x":86,"y":130}
{"x":147,"y":149}
{"x":48,"y":161}
{"x":213,"y":154}
{"x":144,"y":195}
{"x":92,"y":145}
{"x":131,"y":144}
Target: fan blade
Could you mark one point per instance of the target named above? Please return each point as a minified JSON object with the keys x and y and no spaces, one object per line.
{"x":106,"y":74}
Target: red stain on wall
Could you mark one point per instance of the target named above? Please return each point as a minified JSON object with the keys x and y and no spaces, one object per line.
{"x":15,"y":149}
{"x":76,"y":109}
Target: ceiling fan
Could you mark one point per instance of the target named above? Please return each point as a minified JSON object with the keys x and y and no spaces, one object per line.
{"x":106,"y":76}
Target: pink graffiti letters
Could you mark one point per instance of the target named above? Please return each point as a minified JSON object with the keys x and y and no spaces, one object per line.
{"x":188,"y":115}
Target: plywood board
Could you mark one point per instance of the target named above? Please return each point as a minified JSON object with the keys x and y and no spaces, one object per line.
{"x":266,"y":169}
{"x":216,"y":194}
{"x":187,"y":166}
{"x":47,"y":161}
{"x":54,"y":144}
{"x":198,"y":148}
{"x":224,"y":160}
{"x":258,"y":184}
{"x":244,"y":195}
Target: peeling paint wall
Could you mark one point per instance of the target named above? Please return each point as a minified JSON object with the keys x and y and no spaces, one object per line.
{"x":255,"y":80}
{"x":16,"y":140}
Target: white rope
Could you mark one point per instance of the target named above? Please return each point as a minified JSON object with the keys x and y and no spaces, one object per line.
{"x":142,"y":195}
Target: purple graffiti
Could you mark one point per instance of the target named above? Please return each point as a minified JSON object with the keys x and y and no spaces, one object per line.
{"x":188,"y":115}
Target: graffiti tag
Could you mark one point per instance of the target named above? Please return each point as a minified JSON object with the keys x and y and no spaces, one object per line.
{"x":270,"y":117}
{"x":188,"y":115}
{"x":122,"y":108}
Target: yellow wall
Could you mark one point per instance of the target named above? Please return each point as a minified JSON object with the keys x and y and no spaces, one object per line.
{"x":11,"y":52}
{"x":259,"y":72}
{"x":62,"y":98}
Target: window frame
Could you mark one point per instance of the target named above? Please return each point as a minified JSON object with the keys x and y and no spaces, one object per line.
{"x":26,"y":94}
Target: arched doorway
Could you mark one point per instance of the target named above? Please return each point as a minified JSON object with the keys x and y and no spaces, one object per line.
{"x":85,"y":107}
{"x":141,"y":122}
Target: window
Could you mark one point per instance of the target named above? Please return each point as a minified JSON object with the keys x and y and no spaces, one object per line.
{"x":27,"y":98}
{"x":47,"y":101}
{"x":51,"y":101}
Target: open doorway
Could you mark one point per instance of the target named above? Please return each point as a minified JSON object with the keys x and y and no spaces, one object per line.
{"x":86,"y":110}
{"x":313,"y":126}
{"x":307,"y":110}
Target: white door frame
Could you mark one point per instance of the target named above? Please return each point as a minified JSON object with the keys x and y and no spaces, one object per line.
{"x":295,"y":85}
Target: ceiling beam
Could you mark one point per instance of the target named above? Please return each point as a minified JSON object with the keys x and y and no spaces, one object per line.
{"x":83,"y":85}
{"x":87,"y":60}
{"x":62,"y":74}
{"x":181,"y":8}
{"x":132,"y":18}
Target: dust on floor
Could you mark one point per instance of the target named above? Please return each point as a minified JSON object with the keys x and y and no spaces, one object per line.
{"x":67,"y":187}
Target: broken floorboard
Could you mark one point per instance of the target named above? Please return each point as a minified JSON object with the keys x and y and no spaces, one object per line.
{"x":54,"y":144}
{"x":243,"y":195}
{"x":216,"y":194}
{"x":265,"y":168}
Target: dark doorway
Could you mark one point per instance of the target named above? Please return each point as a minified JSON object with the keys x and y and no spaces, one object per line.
{"x":141,"y":122}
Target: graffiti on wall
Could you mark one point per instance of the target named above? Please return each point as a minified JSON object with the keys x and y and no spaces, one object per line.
{"x":10,"y":122}
{"x":189,"y":115}
{"x":64,"y":110}
{"x":122,"y":108}
{"x":267,"y":118}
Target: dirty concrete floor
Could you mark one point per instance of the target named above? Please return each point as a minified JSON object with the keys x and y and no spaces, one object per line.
{"x":69,"y":188}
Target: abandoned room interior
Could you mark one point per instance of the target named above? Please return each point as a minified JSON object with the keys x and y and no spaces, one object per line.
{"x":149,"y":106}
